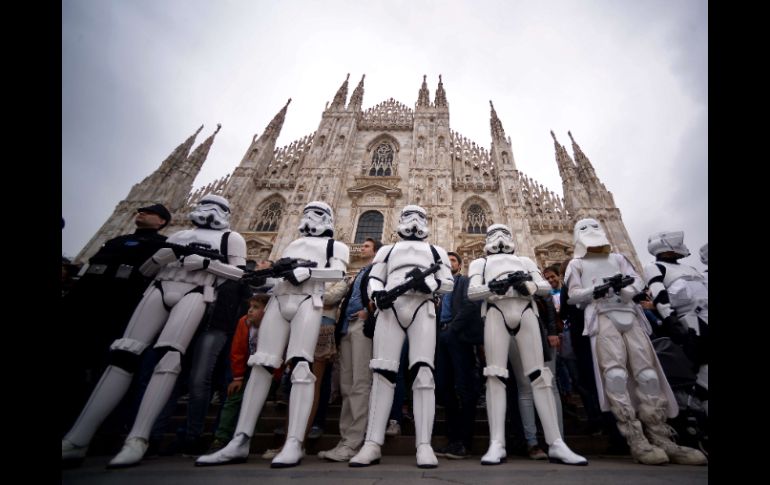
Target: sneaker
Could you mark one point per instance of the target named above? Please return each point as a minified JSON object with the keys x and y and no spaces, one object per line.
{"x":216,"y":399}
{"x":455,"y":451}
{"x":339,"y":453}
{"x":315,"y":433}
{"x":280,"y":431}
{"x":535,"y":453}
{"x":216,"y":445}
{"x":393,"y":429}
{"x":270,"y":453}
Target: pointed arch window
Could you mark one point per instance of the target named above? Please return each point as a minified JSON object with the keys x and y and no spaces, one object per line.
{"x":382,"y":161}
{"x":475,"y":220}
{"x":270,"y":217}
{"x":369,"y":225}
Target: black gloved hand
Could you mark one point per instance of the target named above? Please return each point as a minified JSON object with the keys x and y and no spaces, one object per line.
{"x":497,"y":287}
{"x":521,"y":288}
{"x":601,"y":293}
{"x":381,"y":300}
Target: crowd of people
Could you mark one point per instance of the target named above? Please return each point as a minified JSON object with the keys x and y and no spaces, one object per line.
{"x":147,"y":309}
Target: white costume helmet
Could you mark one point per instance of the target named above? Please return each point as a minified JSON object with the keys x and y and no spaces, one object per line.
{"x":704,"y":254}
{"x":660,"y":242}
{"x":317,"y":218}
{"x":588,"y":234}
{"x":211,"y":212}
{"x":413,"y":223}
{"x":499,"y":239}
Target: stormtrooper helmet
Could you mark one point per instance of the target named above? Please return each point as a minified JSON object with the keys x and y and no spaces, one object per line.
{"x":211,"y":212}
{"x":317,"y":218}
{"x":661,"y":242}
{"x":704,"y":254}
{"x":413,"y":223}
{"x":589,"y":234}
{"x":499,"y":239}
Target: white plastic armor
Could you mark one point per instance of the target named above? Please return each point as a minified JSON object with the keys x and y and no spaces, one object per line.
{"x":292,"y":315}
{"x":704,"y":254}
{"x":413,"y":314}
{"x":625,"y":363}
{"x":661,"y":242}
{"x":588,"y":233}
{"x":170,"y":311}
{"x":413,"y":223}
{"x":317,"y":218}
{"x":499,"y":240}
{"x":507,"y":314}
{"x":687,"y":291}
{"x":212,"y":212}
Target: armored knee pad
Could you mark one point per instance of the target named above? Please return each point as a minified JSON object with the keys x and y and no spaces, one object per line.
{"x":541,"y":377}
{"x":387,"y":374}
{"x":170,"y":363}
{"x":423,"y":378}
{"x":648,"y":383}
{"x":302,"y":373}
{"x":125,"y":353}
{"x":615,"y":380}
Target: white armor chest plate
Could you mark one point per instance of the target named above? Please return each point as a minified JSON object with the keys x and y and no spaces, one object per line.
{"x":405,"y":256}
{"x":595,"y":269}
{"x":686,"y":287}
{"x":308,"y":248}
{"x":502,"y":264}
{"x":210,"y":238}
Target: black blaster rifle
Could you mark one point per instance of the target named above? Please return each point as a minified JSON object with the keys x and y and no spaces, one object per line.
{"x":385,"y":299}
{"x":195,"y":248}
{"x":281,"y":269}
{"x":616,"y":282}
{"x":515,"y":280}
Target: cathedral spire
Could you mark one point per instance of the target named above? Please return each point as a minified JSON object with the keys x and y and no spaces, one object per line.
{"x":274,"y":128}
{"x":342,"y":95}
{"x":582,"y":161}
{"x":496,"y":126}
{"x":195,"y":161}
{"x":179,"y":154}
{"x":423,"y":99}
{"x":357,"y":98}
{"x":440,"y":94}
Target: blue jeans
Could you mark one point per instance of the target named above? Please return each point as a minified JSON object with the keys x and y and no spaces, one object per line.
{"x":455,"y":385}
{"x":208,"y":347}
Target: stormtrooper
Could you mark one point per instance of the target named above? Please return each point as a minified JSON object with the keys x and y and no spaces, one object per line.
{"x":629,"y":377}
{"x":172,"y":306}
{"x":293,"y":314}
{"x":680,"y":293}
{"x":412,"y":314}
{"x":510,"y":310}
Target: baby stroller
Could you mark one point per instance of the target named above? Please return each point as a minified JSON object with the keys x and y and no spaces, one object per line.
{"x":691,"y":425}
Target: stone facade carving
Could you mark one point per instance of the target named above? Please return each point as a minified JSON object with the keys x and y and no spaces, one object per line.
{"x":383,"y":158}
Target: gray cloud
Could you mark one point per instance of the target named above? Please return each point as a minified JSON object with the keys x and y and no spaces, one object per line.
{"x":629,"y":79}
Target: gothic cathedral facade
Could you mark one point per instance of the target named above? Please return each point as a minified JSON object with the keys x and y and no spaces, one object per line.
{"x":367,"y":165}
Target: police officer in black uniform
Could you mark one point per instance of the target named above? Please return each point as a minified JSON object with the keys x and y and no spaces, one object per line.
{"x":98,"y":307}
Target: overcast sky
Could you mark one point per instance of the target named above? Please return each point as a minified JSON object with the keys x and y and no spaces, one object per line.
{"x":628,"y":78}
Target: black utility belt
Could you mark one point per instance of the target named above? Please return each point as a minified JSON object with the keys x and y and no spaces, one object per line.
{"x":123,"y":272}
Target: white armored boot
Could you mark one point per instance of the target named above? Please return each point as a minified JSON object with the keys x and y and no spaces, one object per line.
{"x":155,"y":397}
{"x":542,"y":394}
{"x":496,"y":402}
{"x":106,"y":395}
{"x":237,"y":450}
{"x":380,"y":402}
{"x":424,"y":413}
{"x":300,"y":404}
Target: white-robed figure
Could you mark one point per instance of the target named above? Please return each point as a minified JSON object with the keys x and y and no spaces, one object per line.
{"x":629,"y":378}
{"x":680,"y":294}
{"x":293,"y":314}
{"x":412,"y":314}
{"x":172,"y":306}
{"x":510,"y":310}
